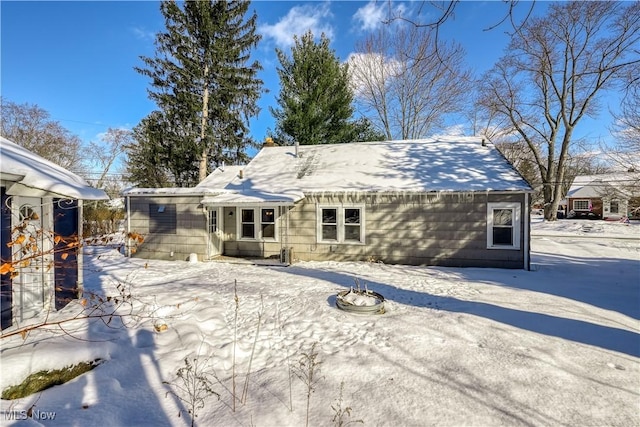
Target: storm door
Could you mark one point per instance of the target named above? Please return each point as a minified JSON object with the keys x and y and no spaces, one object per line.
{"x":215,"y":231}
{"x":28,"y":247}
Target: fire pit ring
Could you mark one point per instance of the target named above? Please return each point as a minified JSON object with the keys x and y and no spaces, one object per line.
{"x":360,"y":301}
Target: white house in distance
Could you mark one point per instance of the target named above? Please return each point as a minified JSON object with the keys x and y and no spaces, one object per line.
{"x":41,"y":213}
{"x":449,"y":201}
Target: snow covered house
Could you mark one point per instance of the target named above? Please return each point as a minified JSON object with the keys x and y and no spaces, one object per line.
{"x":449,"y":201}
{"x":41,"y":214}
{"x":604,"y":196}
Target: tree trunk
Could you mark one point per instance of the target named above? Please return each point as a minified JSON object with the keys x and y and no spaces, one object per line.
{"x":202,"y":172}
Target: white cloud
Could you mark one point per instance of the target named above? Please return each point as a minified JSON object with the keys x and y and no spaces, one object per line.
{"x":371,"y":69}
{"x":455,"y":129}
{"x":375,"y":13}
{"x":298,"y":21}
{"x":371,"y":15}
{"x":143,"y":34}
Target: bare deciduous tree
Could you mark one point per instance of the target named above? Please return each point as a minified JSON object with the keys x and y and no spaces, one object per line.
{"x":402,"y":86}
{"x":30,"y":126}
{"x":626,"y":151}
{"x":555,"y":69}
{"x":105,"y":153}
{"x":433,"y":15}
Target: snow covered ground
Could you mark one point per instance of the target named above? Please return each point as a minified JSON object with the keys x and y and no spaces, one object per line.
{"x":558,"y":345}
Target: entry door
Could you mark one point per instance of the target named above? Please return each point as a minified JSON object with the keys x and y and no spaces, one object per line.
{"x":31,"y":274}
{"x":215,"y":232}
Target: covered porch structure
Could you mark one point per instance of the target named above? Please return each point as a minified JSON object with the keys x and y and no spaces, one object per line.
{"x":251,"y":226}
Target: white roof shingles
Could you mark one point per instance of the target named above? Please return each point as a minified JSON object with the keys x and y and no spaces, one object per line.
{"x":34,"y":175}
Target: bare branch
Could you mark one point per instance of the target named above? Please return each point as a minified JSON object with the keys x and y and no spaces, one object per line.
{"x":556,"y":69}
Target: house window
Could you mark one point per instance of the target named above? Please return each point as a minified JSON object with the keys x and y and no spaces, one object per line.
{"x":28,"y":213}
{"x":213,"y":221}
{"x":614,"y":207}
{"x":503,"y":226}
{"x":329,"y":224}
{"x":248,"y":225}
{"x":162,"y":219}
{"x":268,"y":223}
{"x":581,"y":205}
{"x":341,"y":224}
{"x":352,"y":225}
{"x":258,"y":223}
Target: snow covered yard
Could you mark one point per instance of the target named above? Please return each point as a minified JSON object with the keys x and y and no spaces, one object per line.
{"x":559,"y":345}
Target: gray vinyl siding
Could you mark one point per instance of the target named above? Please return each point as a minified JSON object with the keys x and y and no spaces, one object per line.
{"x":190,"y":231}
{"x":444,"y":230}
{"x":233,"y":246}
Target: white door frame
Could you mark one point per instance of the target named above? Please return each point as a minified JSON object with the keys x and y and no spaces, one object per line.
{"x":34,"y":281}
{"x":215,"y":237}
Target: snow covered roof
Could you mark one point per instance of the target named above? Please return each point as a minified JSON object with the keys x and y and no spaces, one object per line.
{"x":167,"y":191}
{"x":212,"y":184}
{"x":625,"y":184}
{"x":220,"y":177}
{"x":457,"y":164}
{"x":253,"y":197}
{"x":32,"y":175}
{"x":278,"y":175}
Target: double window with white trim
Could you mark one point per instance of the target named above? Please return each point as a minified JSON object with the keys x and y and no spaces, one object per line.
{"x":581,"y":205}
{"x":257,"y":223}
{"x":503,"y":225}
{"x":341,"y":224}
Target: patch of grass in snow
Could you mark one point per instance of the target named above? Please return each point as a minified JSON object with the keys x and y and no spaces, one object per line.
{"x":341,"y":412}
{"x":43,"y":380}
{"x":194,"y":387}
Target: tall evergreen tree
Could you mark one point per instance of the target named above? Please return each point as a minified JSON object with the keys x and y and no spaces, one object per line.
{"x":159,"y":158}
{"x":204,"y":85}
{"x":315,"y":97}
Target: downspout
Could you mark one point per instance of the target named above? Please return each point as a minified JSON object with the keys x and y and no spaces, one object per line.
{"x":286,"y":233}
{"x":527,"y":232}
{"x":280,"y":230}
{"x":128,"y":245}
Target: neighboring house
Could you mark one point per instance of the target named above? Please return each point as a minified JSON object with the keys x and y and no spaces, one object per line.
{"x":604,"y":196}
{"x":41,"y":214}
{"x":451,"y":201}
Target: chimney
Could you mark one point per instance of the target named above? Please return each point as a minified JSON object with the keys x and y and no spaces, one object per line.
{"x":241,"y":174}
{"x":268,"y":142}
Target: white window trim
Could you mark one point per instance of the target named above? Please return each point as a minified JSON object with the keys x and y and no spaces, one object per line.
{"x":580,"y":200}
{"x":257,"y":216}
{"x":607,"y":206}
{"x":340,"y":224}
{"x":517,"y":217}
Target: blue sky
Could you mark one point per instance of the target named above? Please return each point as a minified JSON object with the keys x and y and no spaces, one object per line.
{"x":75,"y":59}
